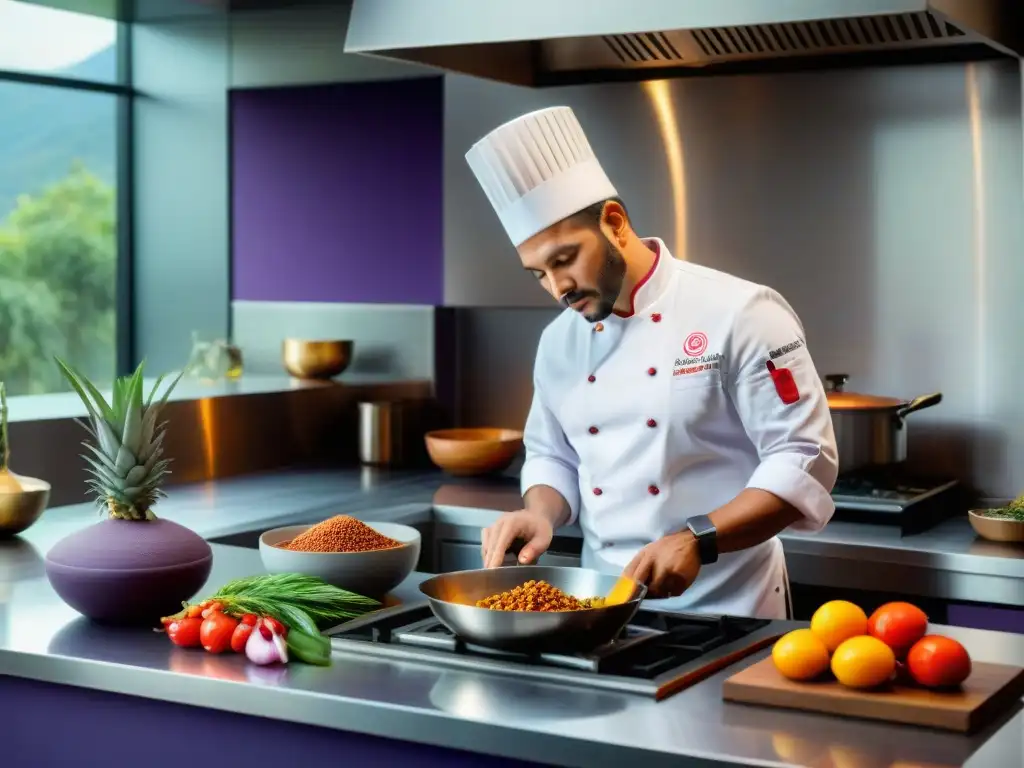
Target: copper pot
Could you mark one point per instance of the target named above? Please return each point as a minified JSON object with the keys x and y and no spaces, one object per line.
{"x":870,"y":430}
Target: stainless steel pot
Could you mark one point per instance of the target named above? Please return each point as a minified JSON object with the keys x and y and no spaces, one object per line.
{"x":870,"y":430}
{"x":453,"y":599}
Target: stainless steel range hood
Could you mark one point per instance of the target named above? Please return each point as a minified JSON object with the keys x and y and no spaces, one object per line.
{"x":541,"y":42}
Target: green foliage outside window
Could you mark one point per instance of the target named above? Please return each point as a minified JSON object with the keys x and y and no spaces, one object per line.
{"x":58,"y":278}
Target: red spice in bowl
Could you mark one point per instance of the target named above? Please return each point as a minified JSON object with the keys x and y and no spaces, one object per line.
{"x":340,"y":533}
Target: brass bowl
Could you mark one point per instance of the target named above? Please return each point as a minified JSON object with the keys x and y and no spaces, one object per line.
{"x":22,"y":508}
{"x":996,"y":528}
{"x":315,"y":359}
{"x":473,"y":451}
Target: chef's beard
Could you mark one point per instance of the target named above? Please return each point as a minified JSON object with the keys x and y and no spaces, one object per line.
{"x":609,"y":284}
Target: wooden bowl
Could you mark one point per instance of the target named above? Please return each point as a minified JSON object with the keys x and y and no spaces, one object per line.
{"x":473,"y":451}
{"x":995,"y":528}
{"x":305,"y":359}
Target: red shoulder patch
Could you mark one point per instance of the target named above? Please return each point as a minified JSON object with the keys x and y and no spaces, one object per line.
{"x":785,"y":384}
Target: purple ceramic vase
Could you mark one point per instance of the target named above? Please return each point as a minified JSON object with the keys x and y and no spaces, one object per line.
{"x":124,"y":572}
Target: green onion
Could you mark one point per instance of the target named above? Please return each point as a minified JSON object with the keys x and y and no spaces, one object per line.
{"x":302,"y":602}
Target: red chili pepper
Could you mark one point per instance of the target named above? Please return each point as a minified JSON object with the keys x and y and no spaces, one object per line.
{"x":250,"y":619}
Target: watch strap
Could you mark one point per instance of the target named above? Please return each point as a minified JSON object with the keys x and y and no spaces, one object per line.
{"x":706,"y":536}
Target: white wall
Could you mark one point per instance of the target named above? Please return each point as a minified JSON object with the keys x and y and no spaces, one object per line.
{"x":302,"y":45}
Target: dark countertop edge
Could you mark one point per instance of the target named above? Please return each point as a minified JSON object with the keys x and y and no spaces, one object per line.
{"x":67,"y":405}
{"x":338,"y":713}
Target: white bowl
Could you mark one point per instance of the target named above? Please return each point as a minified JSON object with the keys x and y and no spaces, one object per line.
{"x":371,"y":574}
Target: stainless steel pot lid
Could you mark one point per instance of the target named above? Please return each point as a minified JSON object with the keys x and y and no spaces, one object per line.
{"x":841,"y":400}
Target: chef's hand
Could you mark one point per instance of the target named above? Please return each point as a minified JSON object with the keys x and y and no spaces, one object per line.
{"x":668,"y":566}
{"x":533,"y":527}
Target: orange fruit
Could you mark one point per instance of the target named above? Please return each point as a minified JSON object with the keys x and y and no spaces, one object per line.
{"x":800,"y":655}
{"x":863,"y":662}
{"x":898,"y":625}
{"x":838,"y":620}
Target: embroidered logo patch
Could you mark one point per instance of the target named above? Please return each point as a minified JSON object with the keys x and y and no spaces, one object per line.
{"x":785,"y":384}
{"x":785,"y":349}
{"x":695,"y":344}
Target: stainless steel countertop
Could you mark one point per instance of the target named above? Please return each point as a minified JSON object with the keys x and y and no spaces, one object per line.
{"x":42,"y":638}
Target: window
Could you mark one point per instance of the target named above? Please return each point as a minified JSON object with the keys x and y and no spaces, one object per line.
{"x":62,"y":122}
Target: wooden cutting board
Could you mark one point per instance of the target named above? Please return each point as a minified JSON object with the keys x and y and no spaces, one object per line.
{"x":990,"y":691}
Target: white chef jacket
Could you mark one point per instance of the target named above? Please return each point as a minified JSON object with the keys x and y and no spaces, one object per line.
{"x":643,"y":421}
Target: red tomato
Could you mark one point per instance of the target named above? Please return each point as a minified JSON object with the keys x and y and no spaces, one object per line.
{"x":898,"y":625}
{"x":241,"y":636}
{"x":938,"y":662}
{"x":216,"y":632}
{"x":185,"y":632}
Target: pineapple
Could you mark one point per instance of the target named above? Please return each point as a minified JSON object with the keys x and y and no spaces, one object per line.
{"x":8,"y":482}
{"x":126,"y":464}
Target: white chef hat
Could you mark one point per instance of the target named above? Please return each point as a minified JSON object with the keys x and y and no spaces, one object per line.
{"x":538,"y":169}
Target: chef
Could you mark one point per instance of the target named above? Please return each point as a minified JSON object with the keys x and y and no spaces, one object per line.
{"x":677,"y":415}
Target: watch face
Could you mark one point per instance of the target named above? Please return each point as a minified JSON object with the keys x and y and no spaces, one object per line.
{"x":701,"y":526}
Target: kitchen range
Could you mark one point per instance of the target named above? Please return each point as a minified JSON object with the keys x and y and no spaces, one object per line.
{"x":657,"y":655}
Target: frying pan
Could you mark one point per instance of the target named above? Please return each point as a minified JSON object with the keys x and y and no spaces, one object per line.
{"x":453,"y":597}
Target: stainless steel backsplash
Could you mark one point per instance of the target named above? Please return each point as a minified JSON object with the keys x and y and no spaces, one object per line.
{"x":886,"y":205}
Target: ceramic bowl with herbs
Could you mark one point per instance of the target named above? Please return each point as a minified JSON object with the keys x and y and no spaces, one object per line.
{"x":1000,"y":523}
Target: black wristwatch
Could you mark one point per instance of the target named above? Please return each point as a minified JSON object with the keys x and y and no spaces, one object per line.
{"x":706,"y":534}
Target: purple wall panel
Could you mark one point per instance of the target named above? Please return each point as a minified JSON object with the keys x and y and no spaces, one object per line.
{"x":987,"y":617}
{"x":158,"y":734}
{"x":337,"y":193}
